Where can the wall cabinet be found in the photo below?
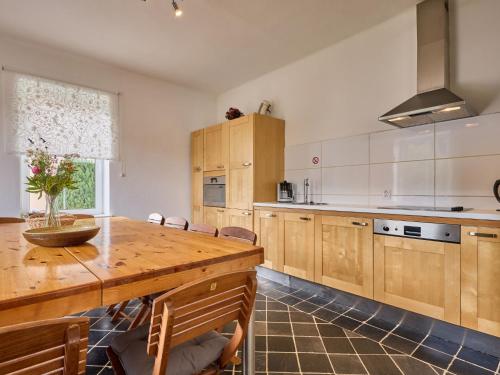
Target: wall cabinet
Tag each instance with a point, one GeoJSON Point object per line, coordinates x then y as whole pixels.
{"type": "Point", "coordinates": [418, 275]}
{"type": "Point", "coordinates": [216, 143]}
{"type": "Point", "coordinates": [344, 254]}
{"type": "Point", "coordinates": [240, 218]}
{"type": "Point", "coordinates": [268, 228]}
{"type": "Point", "coordinates": [215, 216]}
{"type": "Point", "coordinates": [197, 147]}
{"type": "Point", "coordinates": [480, 279]}
{"type": "Point", "coordinates": [297, 240]}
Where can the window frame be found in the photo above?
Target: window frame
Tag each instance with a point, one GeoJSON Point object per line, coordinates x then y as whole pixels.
{"type": "Point", "coordinates": [101, 194]}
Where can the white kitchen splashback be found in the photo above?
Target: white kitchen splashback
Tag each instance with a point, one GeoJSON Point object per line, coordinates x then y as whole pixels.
{"type": "Point", "coordinates": [446, 164]}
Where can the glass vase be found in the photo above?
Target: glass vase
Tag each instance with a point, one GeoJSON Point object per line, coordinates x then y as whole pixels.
{"type": "Point", "coordinates": [52, 218]}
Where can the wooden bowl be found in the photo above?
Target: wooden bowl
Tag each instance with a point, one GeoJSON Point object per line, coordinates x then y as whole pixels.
{"type": "Point", "coordinates": [62, 236]}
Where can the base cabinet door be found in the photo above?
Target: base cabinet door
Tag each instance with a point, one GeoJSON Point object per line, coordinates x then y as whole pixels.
{"type": "Point", "coordinates": [297, 240]}
{"type": "Point", "coordinates": [267, 227]}
{"type": "Point", "coordinates": [418, 275]}
{"type": "Point", "coordinates": [197, 215]}
{"type": "Point", "coordinates": [240, 218]}
{"type": "Point", "coordinates": [215, 216]}
{"type": "Point", "coordinates": [480, 279]}
{"type": "Point", "coordinates": [344, 254]}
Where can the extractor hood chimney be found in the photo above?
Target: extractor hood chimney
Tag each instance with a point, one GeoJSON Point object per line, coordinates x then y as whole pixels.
{"type": "Point", "coordinates": [434, 101]}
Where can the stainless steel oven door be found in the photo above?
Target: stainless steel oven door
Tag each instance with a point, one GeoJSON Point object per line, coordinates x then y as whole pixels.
{"type": "Point", "coordinates": [214, 191]}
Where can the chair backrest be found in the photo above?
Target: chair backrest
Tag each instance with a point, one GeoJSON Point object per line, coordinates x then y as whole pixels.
{"type": "Point", "coordinates": [57, 346]}
{"type": "Point", "coordinates": [204, 228]}
{"type": "Point", "coordinates": [9, 220]}
{"type": "Point", "coordinates": [200, 307]}
{"type": "Point", "coordinates": [176, 222]}
{"type": "Point", "coordinates": [156, 218]}
{"type": "Point", "coordinates": [238, 233]}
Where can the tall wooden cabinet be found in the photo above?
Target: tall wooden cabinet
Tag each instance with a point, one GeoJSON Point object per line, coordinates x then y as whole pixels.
{"type": "Point", "coordinates": [249, 152]}
{"type": "Point", "coordinates": [197, 149]}
{"type": "Point", "coordinates": [344, 254]}
{"type": "Point", "coordinates": [480, 279]}
{"type": "Point", "coordinates": [418, 275]}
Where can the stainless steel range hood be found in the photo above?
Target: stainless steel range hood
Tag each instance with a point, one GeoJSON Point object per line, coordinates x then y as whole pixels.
{"type": "Point", "coordinates": [434, 101]}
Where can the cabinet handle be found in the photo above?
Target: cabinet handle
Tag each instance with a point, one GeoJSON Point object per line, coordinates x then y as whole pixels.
{"type": "Point", "coordinates": [220, 211]}
{"type": "Point", "coordinates": [484, 235]}
{"type": "Point", "coordinates": [247, 213]}
{"type": "Point", "coordinates": [269, 215]}
{"type": "Point", "coordinates": [220, 166]}
{"type": "Point", "coordinates": [197, 169]}
{"type": "Point", "coordinates": [360, 224]}
{"type": "Point", "coordinates": [246, 164]}
{"type": "Point", "coordinates": [305, 218]}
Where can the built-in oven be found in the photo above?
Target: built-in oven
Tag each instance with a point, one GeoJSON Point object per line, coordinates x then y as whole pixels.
{"type": "Point", "coordinates": [214, 191]}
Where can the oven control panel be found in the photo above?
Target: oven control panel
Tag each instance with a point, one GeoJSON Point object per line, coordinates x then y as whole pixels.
{"type": "Point", "coordinates": [419, 230]}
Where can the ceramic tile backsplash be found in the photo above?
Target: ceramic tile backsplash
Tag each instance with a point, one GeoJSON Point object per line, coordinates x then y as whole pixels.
{"type": "Point", "coordinates": [405, 178]}
{"type": "Point", "coordinates": [416, 143]}
{"type": "Point", "coordinates": [345, 151]}
{"type": "Point", "coordinates": [302, 156]}
{"type": "Point", "coordinates": [445, 164]}
{"type": "Point", "coordinates": [468, 137]}
{"type": "Point", "coordinates": [350, 180]}
{"type": "Point", "coordinates": [297, 177]}
{"type": "Point", "coordinates": [472, 176]}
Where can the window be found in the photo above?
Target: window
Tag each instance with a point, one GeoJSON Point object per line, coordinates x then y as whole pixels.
{"type": "Point", "coordinates": [91, 197]}
{"type": "Point", "coordinates": [71, 119]}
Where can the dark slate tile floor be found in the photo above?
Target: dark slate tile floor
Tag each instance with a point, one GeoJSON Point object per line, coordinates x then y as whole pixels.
{"type": "Point", "coordinates": [300, 333]}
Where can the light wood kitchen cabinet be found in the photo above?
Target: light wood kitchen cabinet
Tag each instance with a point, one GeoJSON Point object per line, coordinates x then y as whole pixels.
{"type": "Point", "coordinates": [215, 216]}
{"type": "Point", "coordinates": [216, 143]}
{"type": "Point", "coordinates": [480, 279]}
{"type": "Point", "coordinates": [240, 218]}
{"type": "Point", "coordinates": [269, 229]}
{"type": "Point", "coordinates": [297, 240]}
{"type": "Point", "coordinates": [197, 176]}
{"type": "Point", "coordinates": [344, 254]}
{"type": "Point", "coordinates": [418, 275]}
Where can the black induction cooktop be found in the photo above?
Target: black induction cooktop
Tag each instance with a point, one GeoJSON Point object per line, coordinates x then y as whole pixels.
{"type": "Point", "coordinates": [426, 208]}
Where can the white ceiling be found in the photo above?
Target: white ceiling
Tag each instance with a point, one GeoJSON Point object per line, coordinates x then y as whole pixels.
{"type": "Point", "coordinates": [216, 45]}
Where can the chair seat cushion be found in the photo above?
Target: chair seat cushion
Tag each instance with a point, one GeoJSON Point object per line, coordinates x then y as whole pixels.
{"type": "Point", "coordinates": [187, 358]}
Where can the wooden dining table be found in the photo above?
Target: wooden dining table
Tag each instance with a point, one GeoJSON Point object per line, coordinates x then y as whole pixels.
{"type": "Point", "coordinates": [127, 259]}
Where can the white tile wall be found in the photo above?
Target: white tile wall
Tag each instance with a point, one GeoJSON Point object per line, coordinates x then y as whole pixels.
{"type": "Point", "coordinates": [444, 164]}
{"type": "Point", "coordinates": [297, 177]}
{"type": "Point", "coordinates": [406, 178]}
{"type": "Point", "coordinates": [350, 180]}
{"type": "Point", "coordinates": [416, 143]}
{"type": "Point", "coordinates": [301, 156]}
{"type": "Point", "coordinates": [468, 137]}
{"type": "Point", "coordinates": [346, 151]}
{"type": "Point", "coordinates": [471, 176]}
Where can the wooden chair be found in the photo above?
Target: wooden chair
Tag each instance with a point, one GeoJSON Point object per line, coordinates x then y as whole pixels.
{"type": "Point", "coordinates": [204, 229]}
{"type": "Point", "coordinates": [156, 218]}
{"type": "Point", "coordinates": [10, 220]}
{"type": "Point", "coordinates": [183, 325]}
{"type": "Point", "coordinates": [176, 222]}
{"type": "Point", "coordinates": [57, 346]}
{"type": "Point", "coordinates": [240, 234]}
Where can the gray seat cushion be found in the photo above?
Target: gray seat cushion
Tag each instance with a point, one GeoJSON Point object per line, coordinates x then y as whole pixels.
{"type": "Point", "coordinates": [188, 358]}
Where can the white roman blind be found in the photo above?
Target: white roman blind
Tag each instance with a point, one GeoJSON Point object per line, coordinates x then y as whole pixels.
{"type": "Point", "coordinates": [70, 118]}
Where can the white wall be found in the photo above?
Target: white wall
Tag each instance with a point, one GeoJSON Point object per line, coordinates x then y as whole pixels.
{"type": "Point", "coordinates": [156, 118]}
{"type": "Point", "coordinates": [341, 90]}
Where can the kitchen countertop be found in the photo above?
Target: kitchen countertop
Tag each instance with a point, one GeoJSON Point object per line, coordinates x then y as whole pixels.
{"type": "Point", "coordinates": [471, 214]}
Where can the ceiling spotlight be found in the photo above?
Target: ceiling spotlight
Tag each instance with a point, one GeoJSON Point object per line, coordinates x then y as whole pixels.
{"type": "Point", "coordinates": [177, 10]}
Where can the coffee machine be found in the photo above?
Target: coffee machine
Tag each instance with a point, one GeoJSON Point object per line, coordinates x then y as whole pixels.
{"type": "Point", "coordinates": [286, 192]}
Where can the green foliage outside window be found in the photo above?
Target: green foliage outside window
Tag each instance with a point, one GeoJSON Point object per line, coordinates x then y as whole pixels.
{"type": "Point", "coordinates": [84, 196]}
